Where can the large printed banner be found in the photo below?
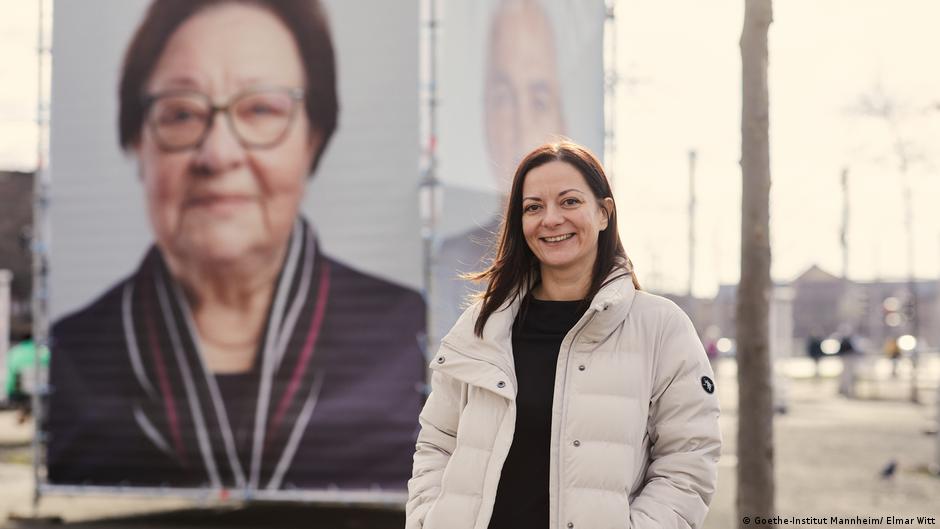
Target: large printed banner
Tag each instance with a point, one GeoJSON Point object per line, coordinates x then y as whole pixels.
{"type": "Point", "coordinates": [229, 181]}
{"type": "Point", "coordinates": [514, 74]}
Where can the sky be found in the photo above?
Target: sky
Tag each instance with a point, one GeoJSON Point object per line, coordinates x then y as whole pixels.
{"type": "Point", "coordinates": [680, 66]}
{"type": "Point", "coordinates": [18, 84]}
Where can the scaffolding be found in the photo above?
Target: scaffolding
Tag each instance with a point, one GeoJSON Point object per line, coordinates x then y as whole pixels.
{"type": "Point", "coordinates": [611, 82]}
{"type": "Point", "coordinates": [430, 191]}
{"type": "Point", "coordinates": [40, 241]}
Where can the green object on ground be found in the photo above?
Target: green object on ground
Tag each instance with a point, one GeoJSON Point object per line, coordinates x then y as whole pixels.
{"type": "Point", "coordinates": [21, 361]}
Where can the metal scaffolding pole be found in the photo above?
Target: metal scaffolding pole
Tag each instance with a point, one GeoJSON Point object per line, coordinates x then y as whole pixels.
{"type": "Point", "coordinates": [430, 191]}
{"type": "Point", "coordinates": [611, 80]}
{"type": "Point", "coordinates": [40, 253]}
{"type": "Point", "coordinates": [844, 231]}
{"type": "Point", "coordinates": [911, 304]}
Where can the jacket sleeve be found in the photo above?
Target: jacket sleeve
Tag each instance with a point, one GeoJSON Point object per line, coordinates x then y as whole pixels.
{"type": "Point", "coordinates": [436, 442]}
{"type": "Point", "coordinates": [685, 440]}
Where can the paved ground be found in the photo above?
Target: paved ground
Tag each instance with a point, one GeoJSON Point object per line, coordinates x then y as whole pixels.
{"type": "Point", "coordinates": [830, 451]}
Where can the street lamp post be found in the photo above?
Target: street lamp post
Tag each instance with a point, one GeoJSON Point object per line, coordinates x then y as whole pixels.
{"type": "Point", "coordinates": [911, 312]}
{"type": "Point", "coordinates": [692, 157]}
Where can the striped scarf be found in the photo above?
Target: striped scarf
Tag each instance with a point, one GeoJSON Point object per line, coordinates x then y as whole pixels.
{"type": "Point", "coordinates": [181, 408]}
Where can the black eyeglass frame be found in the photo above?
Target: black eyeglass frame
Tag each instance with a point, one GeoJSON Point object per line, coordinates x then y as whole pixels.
{"type": "Point", "coordinates": [296, 95]}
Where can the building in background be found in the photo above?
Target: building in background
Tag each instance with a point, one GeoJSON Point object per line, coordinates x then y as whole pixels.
{"type": "Point", "coordinates": [824, 304]}
{"type": "Point", "coordinates": [16, 220]}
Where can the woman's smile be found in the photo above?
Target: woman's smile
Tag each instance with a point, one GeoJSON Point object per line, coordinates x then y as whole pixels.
{"type": "Point", "coordinates": [556, 240]}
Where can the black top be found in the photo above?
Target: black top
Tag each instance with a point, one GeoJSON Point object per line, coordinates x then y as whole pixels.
{"type": "Point", "coordinates": [522, 496]}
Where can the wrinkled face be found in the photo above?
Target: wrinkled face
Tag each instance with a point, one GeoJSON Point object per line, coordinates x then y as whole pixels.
{"type": "Point", "coordinates": [219, 201]}
{"type": "Point", "coordinates": [561, 218]}
{"type": "Point", "coordinates": [522, 97]}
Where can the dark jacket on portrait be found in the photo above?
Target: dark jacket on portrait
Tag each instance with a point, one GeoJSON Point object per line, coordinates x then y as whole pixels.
{"type": "Point", "coordinates": [332, 400]}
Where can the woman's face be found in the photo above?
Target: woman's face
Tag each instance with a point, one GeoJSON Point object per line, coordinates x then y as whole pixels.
{"type": "Point", "coordinates": [561, 218]}
{"type": "Point", "coordinates": [219, 201]}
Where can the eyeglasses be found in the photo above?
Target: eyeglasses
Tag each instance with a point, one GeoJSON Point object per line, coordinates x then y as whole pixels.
{"type": "Point", "coordinates": [260, 118]}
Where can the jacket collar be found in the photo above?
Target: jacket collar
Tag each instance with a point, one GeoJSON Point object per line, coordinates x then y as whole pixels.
{"type": "Point", "coordinates": [607, 311]}
{"type": "Point", "coordinates": [610, 306]}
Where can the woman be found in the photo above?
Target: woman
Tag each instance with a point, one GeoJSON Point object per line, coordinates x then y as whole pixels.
{"type": "Point", "coordinates": [565, 396]}
{"type": "Point", "coordinates": [238, 354]}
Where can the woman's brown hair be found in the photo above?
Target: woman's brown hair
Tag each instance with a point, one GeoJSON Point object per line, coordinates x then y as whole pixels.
{"type": "Point", "coordinates": [515, 268]}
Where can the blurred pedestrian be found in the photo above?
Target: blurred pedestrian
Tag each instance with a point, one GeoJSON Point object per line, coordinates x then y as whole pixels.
{"type": "Point", "coordinates": [814, 351]}
{"type": "Point", "coordinates": [893, 352]}
{"type": "Point", "coordinates": [849, 353]}
{"type": "Point", "coordinates": [712, 352]}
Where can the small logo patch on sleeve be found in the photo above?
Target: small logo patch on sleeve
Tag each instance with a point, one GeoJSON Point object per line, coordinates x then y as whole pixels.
{"type": "Point", "coordinates": [708, 385]}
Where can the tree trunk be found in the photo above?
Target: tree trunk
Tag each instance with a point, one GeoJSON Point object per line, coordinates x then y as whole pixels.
{"type": "Point", "coordinates": [755, 494]}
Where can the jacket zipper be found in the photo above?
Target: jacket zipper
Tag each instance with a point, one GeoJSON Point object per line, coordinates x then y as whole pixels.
{"type": "Point", "coordinates": [564, 416]}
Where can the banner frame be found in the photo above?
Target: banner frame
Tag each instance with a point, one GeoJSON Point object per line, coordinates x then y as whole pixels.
{"type": "Point", "coordinates": [363, 497]}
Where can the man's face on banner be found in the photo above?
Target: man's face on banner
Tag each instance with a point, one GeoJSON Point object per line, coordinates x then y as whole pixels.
{"type": "Point", "coordinates": [522, 98]}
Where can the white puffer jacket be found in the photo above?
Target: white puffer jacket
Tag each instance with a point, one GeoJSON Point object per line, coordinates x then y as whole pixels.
{"type": "Point", "coordinates": [635, 438]}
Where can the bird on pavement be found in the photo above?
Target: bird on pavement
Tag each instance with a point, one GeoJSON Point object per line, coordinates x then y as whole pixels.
{"type": "Point", "coordinates": [889, 470]}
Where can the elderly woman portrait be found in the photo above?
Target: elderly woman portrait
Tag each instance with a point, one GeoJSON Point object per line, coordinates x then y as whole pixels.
{"type": "Point", "coordinates": [238, 354]}
{"type": "Point", "coordinates": [566, 396]}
